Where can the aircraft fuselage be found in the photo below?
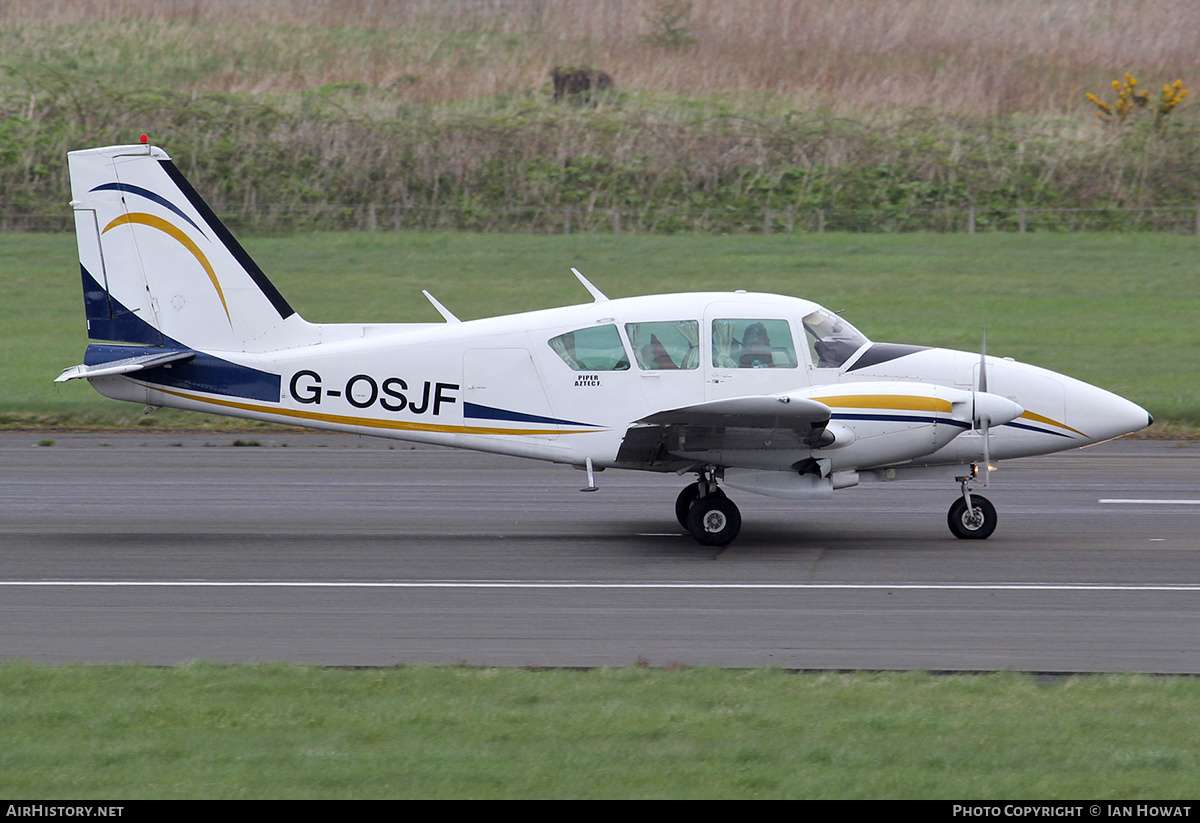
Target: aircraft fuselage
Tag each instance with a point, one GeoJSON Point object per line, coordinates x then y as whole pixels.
{"type": "Point", "coordinates": [499, 385]}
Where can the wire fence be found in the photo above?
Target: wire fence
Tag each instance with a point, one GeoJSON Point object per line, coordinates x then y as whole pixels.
{"type": "Point", "coordinates": [663, 219]}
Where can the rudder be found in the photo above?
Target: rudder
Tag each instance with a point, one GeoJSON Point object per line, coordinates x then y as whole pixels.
{"type": "Point", "coordinates": [158, 266]}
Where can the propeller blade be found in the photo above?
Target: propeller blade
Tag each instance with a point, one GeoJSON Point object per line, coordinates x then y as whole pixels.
{"type": "Point", "coordinates": [983, 364]}
{"type": "Point", "coordinates": [984, 419]}
{"type": "Point", "coordinates": [987, 453]}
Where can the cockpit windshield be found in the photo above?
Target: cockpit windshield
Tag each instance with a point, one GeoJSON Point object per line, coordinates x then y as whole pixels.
{"type": "Point", "coordinates": [831, 340]}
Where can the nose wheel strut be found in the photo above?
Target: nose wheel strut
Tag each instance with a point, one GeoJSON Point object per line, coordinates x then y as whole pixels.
{"type": "Point", "coordinates": [972, 516]}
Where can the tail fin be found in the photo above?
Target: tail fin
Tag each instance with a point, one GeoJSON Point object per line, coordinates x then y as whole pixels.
{"type": "Point", "coordinates": [159, 268]}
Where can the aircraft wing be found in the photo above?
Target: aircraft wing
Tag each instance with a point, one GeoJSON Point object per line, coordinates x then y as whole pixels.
{"type": "Point", "coordinates": [673, 438]}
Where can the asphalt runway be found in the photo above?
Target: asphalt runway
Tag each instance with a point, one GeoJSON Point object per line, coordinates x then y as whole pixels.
{"type": "Point", "coordinates": [339, 550]}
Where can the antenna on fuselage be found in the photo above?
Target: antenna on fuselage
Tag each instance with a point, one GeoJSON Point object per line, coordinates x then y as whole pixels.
{"type": "Point", "coordinates": [442, 310]}
{"type": "Point", "coordinates": [597, 295]}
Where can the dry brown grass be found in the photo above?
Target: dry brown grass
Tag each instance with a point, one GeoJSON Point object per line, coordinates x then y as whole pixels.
{"type": "Point", "coordinates": [964, 57]}
{"type": "Point", "coordinates": [442, 107]}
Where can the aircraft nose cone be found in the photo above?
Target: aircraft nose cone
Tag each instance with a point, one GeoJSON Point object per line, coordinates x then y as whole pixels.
{"type": "Point", "coordinates": [1110, 415]}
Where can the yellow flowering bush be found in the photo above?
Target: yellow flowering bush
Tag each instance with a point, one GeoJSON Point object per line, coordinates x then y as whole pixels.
{"type": "Point", "coordinates": [1172, 96]}
{"type": "Point", "coordinates": [1130, 98]}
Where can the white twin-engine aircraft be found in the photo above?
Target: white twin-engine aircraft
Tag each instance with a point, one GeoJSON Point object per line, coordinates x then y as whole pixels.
{"type": "Point", "coordinates": [756, 392]}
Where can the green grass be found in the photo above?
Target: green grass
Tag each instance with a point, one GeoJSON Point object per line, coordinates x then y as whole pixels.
{"type": "Point", "coordinates": [1117, 310]}
{"type": "Point", "coordinates": [280, 731]}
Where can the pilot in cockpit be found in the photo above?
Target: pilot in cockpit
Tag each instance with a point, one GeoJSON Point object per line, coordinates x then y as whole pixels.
{"type": "Point", "coordinates": [756, 348]}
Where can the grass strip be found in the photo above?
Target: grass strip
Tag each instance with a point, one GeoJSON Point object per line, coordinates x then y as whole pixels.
{"type": "Point", "coordinates": [282, 731]}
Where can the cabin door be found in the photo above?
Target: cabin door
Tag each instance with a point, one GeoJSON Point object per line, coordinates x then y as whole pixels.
{"type": "Point", "coordinates": [501, 388]}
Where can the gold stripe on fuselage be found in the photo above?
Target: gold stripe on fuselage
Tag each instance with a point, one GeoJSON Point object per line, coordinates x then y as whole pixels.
{"type": "Point", "coordinates": [364, 422]}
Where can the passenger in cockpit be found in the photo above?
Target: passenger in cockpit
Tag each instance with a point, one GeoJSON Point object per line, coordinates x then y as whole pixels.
{"type": "Point", "coordinates": [756, 348]}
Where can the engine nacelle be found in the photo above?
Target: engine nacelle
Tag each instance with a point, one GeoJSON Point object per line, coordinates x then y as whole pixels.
{"type": "Point", "coordinates": [894, 423]}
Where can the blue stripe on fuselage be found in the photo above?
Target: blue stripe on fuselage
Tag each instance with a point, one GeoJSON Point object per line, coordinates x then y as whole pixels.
{"type": "Point", "coordinates": [110, 321]}
{"type": "Point", "coordinates": [478, 412]}
{"type": "Point", "coordinates": [204, 372]}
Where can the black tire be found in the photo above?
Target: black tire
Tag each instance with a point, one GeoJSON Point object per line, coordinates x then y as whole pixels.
{"type": "Point", "coordinates": [964, 527]}
{"type": "Point", "coordinates": [683, 503]}
{"type": "Point", "coordinates": [687, 497]}
{"type": "Point", "coordinates": [714, 520]}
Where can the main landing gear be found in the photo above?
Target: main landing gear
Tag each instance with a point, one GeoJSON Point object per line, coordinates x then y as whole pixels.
{"type": "Point", "coordinates": [704, 510]}
{"type": "Point", "coordinates": [972, 516]}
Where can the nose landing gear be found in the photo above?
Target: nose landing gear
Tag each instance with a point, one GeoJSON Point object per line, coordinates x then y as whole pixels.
{"type": "Point", "coordinates": [972, 516]}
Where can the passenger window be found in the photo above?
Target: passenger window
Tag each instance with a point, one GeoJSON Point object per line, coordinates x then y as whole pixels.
{"type": "Point", "coordinates": [598, 348]}
{"type": "Point", "coordinates": [666, 345]}
{"type": "Point", "coordinates": [753, 344]}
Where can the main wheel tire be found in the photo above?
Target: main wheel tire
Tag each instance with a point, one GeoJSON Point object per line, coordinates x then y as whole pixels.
{"type": "Point", "coordinates": [714, 520]}
{"type": "Point", "coordinates": [968, 527]}
{"type": "Point", "coordinates": [683, 503]}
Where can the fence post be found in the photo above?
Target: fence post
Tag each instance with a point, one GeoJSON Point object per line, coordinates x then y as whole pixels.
{"type": "Point", "coordinates": [372, 220]}
{"type": "Point", "coordinates": [616, 221]}
{"type": "Point", "coordinates": [566, 221]}
{"type": "Point", "coordinates": [1021, 219]}
{"type": "Point", "coordinates": [1198, 218]}
{"type": "Point", "coordinates": [971, 220]}
{"type": "Point", "coordinates": [820, 220]}
{"type": "Point", "coordinates": [767, 218]}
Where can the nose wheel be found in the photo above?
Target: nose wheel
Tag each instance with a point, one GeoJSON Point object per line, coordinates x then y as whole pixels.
{"type": "Point", "coordinates": [976, 522]}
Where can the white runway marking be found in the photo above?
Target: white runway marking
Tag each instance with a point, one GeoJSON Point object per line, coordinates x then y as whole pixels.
{"type": "Point", "coordinates": [1134, 501]}
{"type": "Point", "coordinates": [515, 584]}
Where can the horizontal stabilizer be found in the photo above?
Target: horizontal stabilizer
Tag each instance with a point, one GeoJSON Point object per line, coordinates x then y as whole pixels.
{"type": "Point", "coordinates": [124, 366]}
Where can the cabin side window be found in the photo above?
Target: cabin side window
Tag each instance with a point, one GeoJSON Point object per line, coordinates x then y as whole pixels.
{"type": "Point", "coordinates": [753, 344]}
{"type": "Point", "coordinates": [665, 345]}
{"type": "Point", "coordinates": [598, 348]}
